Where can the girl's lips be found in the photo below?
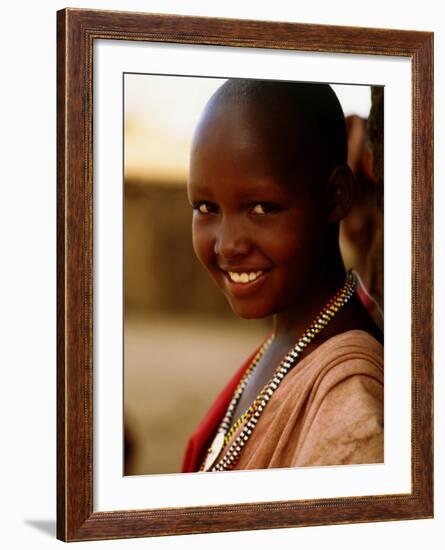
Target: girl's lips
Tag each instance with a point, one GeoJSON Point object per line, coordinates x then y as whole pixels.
{"type": "Point", "coordinates": [243, 289]}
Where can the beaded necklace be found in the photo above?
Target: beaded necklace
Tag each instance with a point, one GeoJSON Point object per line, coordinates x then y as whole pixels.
{"type": "Point", "coordinates": [253, 413]}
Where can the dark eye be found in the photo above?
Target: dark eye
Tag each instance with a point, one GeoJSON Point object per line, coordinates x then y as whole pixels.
{"type": "Point", "coordinates": [262, 208]}
{"type": "Point", "coordinates": [204, 207]}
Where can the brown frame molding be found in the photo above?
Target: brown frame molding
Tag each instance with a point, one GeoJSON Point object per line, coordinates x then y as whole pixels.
{"type": "Point", "coordinates": [76, 32]}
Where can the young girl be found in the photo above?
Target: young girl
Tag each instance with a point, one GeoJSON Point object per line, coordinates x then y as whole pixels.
{"type": "Point", "coordinates": [269, 184]}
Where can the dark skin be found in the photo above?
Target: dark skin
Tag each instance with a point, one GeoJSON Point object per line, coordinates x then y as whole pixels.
{"type": "Point", "coordinates": [258, 211]}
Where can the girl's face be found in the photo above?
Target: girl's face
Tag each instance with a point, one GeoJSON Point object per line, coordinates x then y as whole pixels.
{"type": "Point", "coordinates": [258, 227]}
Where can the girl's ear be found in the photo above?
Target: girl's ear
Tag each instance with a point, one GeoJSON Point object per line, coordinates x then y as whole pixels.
{"type": "Point", "coordinates": [340, 192]}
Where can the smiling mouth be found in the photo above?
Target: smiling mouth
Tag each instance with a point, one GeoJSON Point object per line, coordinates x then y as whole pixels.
{"type": "Point", "coordinates": [244, 283]}
{"type": "Point", "coordinates": [244, 277]}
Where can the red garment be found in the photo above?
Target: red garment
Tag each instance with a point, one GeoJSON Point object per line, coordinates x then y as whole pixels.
{"type": "Point", "coordinates": [201, 438]}
{"type": "Point", "coordinates": [365, 298]}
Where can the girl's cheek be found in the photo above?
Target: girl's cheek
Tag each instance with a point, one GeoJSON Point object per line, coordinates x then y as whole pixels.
{"type": "Point", "coordinates": [202, 246]}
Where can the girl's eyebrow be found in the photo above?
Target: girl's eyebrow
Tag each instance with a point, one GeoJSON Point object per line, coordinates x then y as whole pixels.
{"type": "Point", "coordinates": [261, 189]}
{"type": "Point", "coordinates": [264, 188]}
{"type": "Point", "coordinates": [200, 189]}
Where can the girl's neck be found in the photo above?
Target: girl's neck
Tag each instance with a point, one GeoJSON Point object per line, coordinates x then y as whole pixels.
{"type": "Point", "coordinates": [291, 323]}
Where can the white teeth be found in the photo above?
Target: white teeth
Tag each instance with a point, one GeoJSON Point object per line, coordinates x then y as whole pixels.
{"type": "Point", "coordinates": [244, 277]}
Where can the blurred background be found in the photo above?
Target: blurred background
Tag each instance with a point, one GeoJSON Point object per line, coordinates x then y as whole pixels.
{"type": "Point", "coordinates": [177, 324]}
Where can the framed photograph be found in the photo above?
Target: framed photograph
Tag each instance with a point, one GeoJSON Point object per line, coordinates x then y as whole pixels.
{"type": "Point", "coordinates": [274, 157]}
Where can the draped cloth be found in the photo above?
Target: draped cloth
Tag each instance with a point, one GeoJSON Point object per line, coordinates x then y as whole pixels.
{"type": "Point", "coordinates": [327, 410]}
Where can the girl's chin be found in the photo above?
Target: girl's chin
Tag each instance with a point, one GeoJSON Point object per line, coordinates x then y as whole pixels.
{"type": "Point", "coordinates": [249, 312]}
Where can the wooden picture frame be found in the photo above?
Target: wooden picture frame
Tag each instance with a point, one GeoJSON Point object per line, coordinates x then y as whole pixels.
{"type": "Point", "coordinates": [77, 31]}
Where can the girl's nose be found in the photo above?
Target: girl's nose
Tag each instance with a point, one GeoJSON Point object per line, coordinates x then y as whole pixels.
{"type": "Point", "coordinates": [231, 239]}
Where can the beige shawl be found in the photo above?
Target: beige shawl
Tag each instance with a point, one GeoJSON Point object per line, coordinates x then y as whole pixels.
{"type": "Point", "coordinates": [327, 410]}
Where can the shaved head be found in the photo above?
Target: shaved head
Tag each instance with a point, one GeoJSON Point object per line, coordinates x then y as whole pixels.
{"type": "Point", "coordinates": [305, 120]}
